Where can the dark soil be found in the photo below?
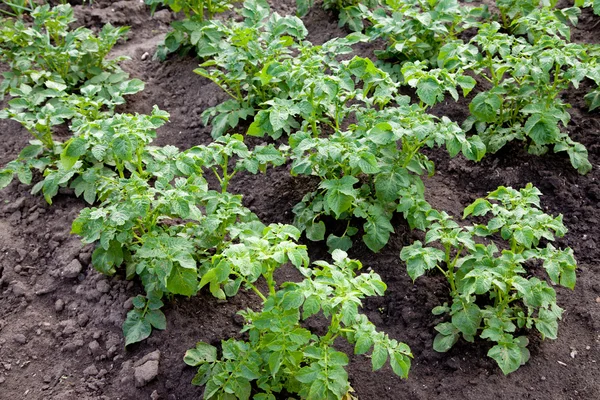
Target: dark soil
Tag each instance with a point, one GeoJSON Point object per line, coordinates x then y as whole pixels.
{"type": "Point", "coordinates": [60, 337]}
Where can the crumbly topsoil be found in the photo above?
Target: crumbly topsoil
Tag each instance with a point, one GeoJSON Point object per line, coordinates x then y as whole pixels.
{"type": "Point", "coordinates": [60, 321]}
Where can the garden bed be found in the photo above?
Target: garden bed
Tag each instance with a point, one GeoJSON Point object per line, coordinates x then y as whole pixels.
{"type": "Point", "coordinates": [60, 335]}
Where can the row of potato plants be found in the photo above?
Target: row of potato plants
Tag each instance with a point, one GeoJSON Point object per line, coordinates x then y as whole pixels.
{"type": "Point", "coordinates": [160, 234]}
{"type": "Point", "coordinates": [156, 216]}
{"type": "Point", "coordinates": [352, 128]}
{"type": "Point", "coordinates": [524, 61]}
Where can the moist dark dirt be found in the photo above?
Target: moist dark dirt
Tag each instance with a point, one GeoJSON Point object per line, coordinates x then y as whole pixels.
{"type": "Point", "coordinates": [60, 321]}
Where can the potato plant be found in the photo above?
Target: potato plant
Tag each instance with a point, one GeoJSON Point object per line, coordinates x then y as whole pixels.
{"type": "Point", "coordinates": [373, 170]}
{"type": "Point", "coordinates": [523, 102]}
{"type": "Point", "coordinates": [49, 51]}
{"type": "Point", "coordinates": [185, 34]}
{"type": "Point", "coordinates": [417, 29]}
{"type": "Point", "coordinates": [281, 355]}
{"type": "Point", "coordinates": [493, 295]}
{"type": "Point", "coordinates": [350, 12]}
{"type": "Point", "coordinates": [57, 75]}
{"type": "Point", "coordinates": [595, 4]}
{"type": "Point", "coordinates": [163, 220]}
{"type": "Point", "coordinates": [320, 102]}
{"type": "Point", "coordinates": [98, 149]}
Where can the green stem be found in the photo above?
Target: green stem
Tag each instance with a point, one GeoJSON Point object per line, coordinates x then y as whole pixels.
{"type": "Point", "coordinates": [450, 267]}
{"type": "Point", "coordinates": [209, 9]}
{"type": "Point", "coordinates": [270, 281]}
{"type": "Point", "coordinates": [555, 83]}
{"type": "Point", "coordinates": [490, 66]}
{"type": "Point", "coordinates": [334, 327]}
{"type": "Point", "coordinates": [254, 289]}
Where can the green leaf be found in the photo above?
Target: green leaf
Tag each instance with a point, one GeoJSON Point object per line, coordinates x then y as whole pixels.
{"type": "Point", "coordinates": [74, 149]}
{"type": "Point", "coordinates": [135, 328]}
{"type": "Point", "coordinates": [363, 344]}
{"type": "Point", "coordinates": [316, 232]}
{"type": "Point", "coordinates": [467, 319]}
{"type": "Point", "coordinates": [420, 259]}
{"type": "Point", "coordinates": [524, 236]}
{"type": "Point", "coordinates": [377, 230]}
{"type": "Point", "coordinates": [183, 281]}
{"type": "Point", "coordinates": [157, 319]}
{"type": "Point", "coordinates": [542, 128]}
{"type": "Point", "coordinates": [107, 260]}
{"type": "Point", "coordinates": [443, 343]}
{"type": "Point", "coordinates": [547, 324]}
{"type": "Point", "coordinates": [202, 353]}
{"type": "Point", "coordinates": [478, 208]}
{"type": "Point", "coordinates": [379, 356]}
{"type": "Point", "coordinates": [123, 148]}
{"type": "Point", "coordinates": [6, 177]}
{"type": "Point", "coordinates": [507, 355]}
{"type": "Point", "coordinates": [55, 85]}
{"type": "Point", "coordinates": [485, 106]}
{"type": "Point", "coordinates": [340, 193]}
{"type": "Point", "coordinates": [292, 300]}
{"type": "Point", "coordinates": [578, 155]}
{"type": "Point", "coordinates": [430, 91]}
{"type": "Point", "coordinates": [338, 243]}
{"type": "Point", "coordinates": [467, 83]}
{"type": "Point", "coordinates": [400, 364]}
{"type": "Point", "coordinates": [593, 98]}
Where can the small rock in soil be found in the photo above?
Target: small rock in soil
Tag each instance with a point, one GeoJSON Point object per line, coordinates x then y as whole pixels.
{"type": "Point", "coordinates": [155, 395]}
{"type": "Point", "coordinates": [154, 356]}
{"type": "Point", "coordinates": [15, 205]}
{"type": "Point", "coordinates": [72, 270]}
{"type": "Point", "coordinates": [70, 326]}
{"type": "Point", "coordinates": [128, 303]}
{"type": "Point", "coordinates": [74, 345]}
{"type": "Point", "coordinates": [20, 338]}
{"type": "Point", "coordinates": [145, 373]}
{"type": "Point", "coordinates": [94, 347]}
{"type": "Point", "coordinates": [102, 286]}
{"type": "Point", "coordinates": [163, 16]}
{"type": "Point", "coordinates": [91, 371]}
{"type": "Point", "coordinates": [83, 319]}
{"type": "Point", "coordinates": [59, 305]}
{"type": "Point", "coordinates": [20, 288]}
{"type": "Point", "coordinates": [85, 257]}
{"type": "Point", "coordinates": [2, 380]}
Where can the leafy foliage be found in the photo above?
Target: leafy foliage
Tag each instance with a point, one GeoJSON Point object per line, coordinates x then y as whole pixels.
{"type": "Point", "coordinates": [163, 221]}
{"type": "Point", "coordinates": [48, 57]}
{"type": "Point", "coordinates": [59, 75]}
{"type": "Point", "coordinates": [350, 12]}
{"type": "Point", "coordinates": [198, 9]}
{"type": "Point", "coordinates": [197, 31]}
{"type": "Point", "coordinates": [282, 355]}
{"type": "Point", "coordinates": [418, 29]}
{"type": "Point", "coordinates": [382, 155]}
{"type": "Point", "coordinates": [475, 271]}
{"type": "Point", "coordinates": [595, 4]}
{"type": "Point", "coordinates": [524, 102]}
